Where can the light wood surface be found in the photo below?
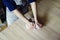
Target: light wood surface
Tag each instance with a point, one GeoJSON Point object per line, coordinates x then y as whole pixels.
{"type": "Point", "coordinates": [51, 31]}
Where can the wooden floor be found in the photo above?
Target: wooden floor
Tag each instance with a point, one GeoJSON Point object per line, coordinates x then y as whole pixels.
{"type": "Point", "coordinates": [51, 31]}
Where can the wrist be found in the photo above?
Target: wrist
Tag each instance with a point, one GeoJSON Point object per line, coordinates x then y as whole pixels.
{"type": "Point", "coordinates": [35, 19]}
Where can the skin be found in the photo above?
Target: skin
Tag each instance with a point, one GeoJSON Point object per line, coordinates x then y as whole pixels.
{"type": "Point", "coordinates": [34, 10]}
{"type": "Point", "coordinates": [30, 24]}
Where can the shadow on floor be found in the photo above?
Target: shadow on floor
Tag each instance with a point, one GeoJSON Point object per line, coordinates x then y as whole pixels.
{"type": "Point", "coordinates": [45, 11]}
{"type": "Point", "coordinates": [43, 20]}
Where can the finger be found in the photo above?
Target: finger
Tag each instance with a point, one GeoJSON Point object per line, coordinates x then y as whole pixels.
{"type": "Point", "coordinates": [32, 26]}
{"type": "Point", "coordinates": [40, 25]}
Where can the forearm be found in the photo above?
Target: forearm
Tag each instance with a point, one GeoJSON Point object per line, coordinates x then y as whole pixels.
{"type": "Point", "coordinates": [33, 6]}
{"type": "Point", "coordinates": [18, 14]}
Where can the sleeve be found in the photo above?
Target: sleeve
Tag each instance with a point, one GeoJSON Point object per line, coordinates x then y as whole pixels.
{"type": "Point", "coordinates": [30, 1]}
{"type": "Point", "coordinates": [10, 4]}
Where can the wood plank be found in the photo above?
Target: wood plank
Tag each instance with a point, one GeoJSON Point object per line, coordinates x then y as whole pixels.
{"type": "Point", "coordinates": [50, 31]}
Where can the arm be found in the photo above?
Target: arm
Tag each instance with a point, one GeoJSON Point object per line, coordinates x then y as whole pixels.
{"type": "Point", "coordinates": [34, 10]}
{"type": "Point", "coordinates": [12, 7]}
{"type": "Point", "coordinates": [18, 14]}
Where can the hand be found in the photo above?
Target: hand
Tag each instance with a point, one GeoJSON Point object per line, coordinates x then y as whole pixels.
{"type": "Point", "coordinates": [37, 24]}
{"type": "Point", "coordinates": [30, 25]}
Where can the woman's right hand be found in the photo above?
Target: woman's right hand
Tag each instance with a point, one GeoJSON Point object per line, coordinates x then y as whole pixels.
{"type": "Point", "coordinates": [30, 26]}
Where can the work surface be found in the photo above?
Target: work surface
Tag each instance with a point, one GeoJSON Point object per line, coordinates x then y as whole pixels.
{"type": "Point", "coordinates": [50, 31]}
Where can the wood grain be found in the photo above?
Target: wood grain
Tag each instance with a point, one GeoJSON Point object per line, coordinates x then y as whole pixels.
{"type": "Point", "coordinates": [48, 9]}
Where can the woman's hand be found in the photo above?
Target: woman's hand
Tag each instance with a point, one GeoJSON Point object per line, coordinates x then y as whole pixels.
{"type": "Point", "coordinates": [37, 24]}
{"type": "Point", "coordinates": [30, 26]}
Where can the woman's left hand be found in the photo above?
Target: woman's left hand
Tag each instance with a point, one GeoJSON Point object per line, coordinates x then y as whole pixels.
{"type": "Point", "coordinates": [37, 24]}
